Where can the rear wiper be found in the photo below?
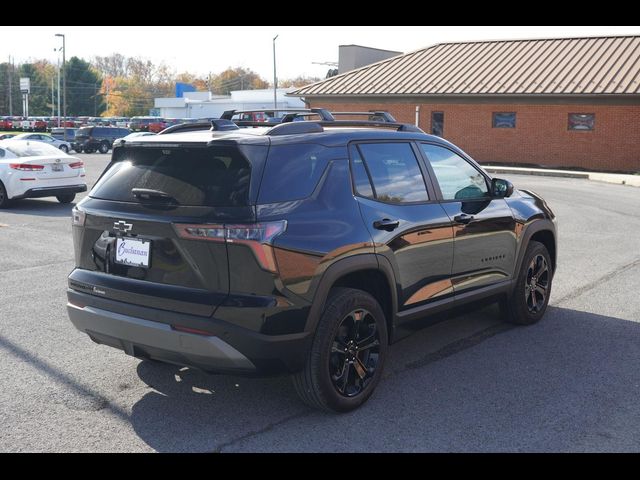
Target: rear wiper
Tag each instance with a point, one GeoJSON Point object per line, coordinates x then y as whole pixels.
{"type": "Point", "coordinates": [150, 194]}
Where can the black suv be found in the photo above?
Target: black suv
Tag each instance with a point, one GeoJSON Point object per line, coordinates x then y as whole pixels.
{"type": "Point", "coordinates": [90, 139]}
{"type": "Point", "coordinates": [305, 248]}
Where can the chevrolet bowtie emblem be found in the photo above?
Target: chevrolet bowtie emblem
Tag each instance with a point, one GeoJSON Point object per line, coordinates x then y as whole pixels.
{"type": "Point", "coordinates": [122, 226]}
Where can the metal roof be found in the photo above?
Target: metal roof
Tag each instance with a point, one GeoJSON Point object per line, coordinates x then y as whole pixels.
{"type": "Point", "coordinates": [559, 66]}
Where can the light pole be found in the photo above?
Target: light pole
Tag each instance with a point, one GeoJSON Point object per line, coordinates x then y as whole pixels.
{"type": "Point", "coordinates": [275, 78]}
{"type": "Point", "coordinates": [64, 86]}
{"type": "Point", "coordinates": [58, 50]}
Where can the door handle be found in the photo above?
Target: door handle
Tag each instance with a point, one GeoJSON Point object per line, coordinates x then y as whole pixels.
{"type": "Point", "coordinates": [463, 218]}
{"type": "Point", "coordinates": [386, 224]}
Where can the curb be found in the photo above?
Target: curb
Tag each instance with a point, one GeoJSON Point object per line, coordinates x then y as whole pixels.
{"type": "Point", "coordinates": [619, 179]}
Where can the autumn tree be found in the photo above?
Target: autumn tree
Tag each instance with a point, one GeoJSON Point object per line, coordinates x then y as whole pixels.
{"type": "Point", "coordinates": [237, 78]}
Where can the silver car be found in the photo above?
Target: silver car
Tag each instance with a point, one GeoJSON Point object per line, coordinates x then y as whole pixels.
{"type": "Point", "coordinates": [45, 138]}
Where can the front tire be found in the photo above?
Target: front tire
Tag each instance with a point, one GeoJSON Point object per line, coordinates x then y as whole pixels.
{"type": "Point", "coordinates": [66, 198]}
{"type": "Point", "coordinates": [347, 356]}
{"type": "Point", "coordinates": [528, 302]}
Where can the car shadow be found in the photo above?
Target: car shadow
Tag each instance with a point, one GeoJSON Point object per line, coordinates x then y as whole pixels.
{"type": "Point", "coordinates": [563, 384]}
{"type": "Point", "coordinates": [38, 207]}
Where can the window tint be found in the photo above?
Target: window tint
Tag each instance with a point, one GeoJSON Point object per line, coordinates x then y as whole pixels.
{"type": "Point", "coordinates": [395, 172]}
{"type": "Point", "coordinates": [84, 132]}
{"type": "Point", "coordinates": [503, 120]}
{"type": "Point", "coordinates": [292, 172]}
{"type": "Point", "coordinates": [216, 176]}
{"type": "Point", "coordinates": [359, 172]}
{"type": "Point", "coordinates": [458, 180]}
{"type": "Point", "coordinates": [437, 123]}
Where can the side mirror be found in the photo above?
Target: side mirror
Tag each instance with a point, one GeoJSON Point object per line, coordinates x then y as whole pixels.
{"type": "Point", "coordinates": [501, 188]}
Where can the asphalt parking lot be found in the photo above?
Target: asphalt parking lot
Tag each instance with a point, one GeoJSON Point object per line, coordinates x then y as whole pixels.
{"type": "Point", "coordinates": [471, 383]}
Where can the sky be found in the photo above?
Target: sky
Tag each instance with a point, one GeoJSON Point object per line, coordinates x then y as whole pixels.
{"type": "Point", "coordinates": [201, 50]}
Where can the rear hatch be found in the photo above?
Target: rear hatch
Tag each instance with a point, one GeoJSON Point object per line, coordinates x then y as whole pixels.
{"type": "Point", "coordinates": [137, 243]}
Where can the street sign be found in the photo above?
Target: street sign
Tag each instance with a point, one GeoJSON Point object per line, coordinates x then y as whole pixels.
{"type": "Point", "coordinates": [25, 85]}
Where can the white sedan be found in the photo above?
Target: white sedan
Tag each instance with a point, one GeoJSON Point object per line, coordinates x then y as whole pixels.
{"type": "Point", "coordinates": [44, 138]}
{"type": "Point", "coordinates": [35, 169]}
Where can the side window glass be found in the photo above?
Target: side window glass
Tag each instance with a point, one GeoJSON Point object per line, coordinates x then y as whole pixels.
{"type": "Point", "coordinates": [360, 176]}
{"type": "Point", "coordinates": [457, 178]}
{"type": "Point", "coordinates": [394, 171]}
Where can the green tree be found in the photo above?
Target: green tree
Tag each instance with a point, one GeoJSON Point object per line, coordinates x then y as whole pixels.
{"type": "Point", "coordinates": [40, 94]}
{"type": "Point", "coordinates": [83, 88]}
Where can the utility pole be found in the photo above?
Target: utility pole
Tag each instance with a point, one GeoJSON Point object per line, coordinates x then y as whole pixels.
{"type": "Point", "coordinates": [10, 73]}
{"type": "Point", "coordinates": [64, 85]}
{"type": "Point", "coordinates": [53, 103]}
{"type": "Point", "coordinates": [58, 90]}
{"type": "Point", "coordinates": [275, 78]}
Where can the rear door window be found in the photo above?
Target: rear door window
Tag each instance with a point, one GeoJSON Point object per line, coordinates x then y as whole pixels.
{"type": "Point", "coordinates": [214, 176]}
{"type": "Point", "coordinates": [394, 172]}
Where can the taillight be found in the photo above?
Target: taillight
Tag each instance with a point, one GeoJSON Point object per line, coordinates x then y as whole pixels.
{"type": "Point", "coordinates": [26, 167]}
{"type": "Point", "coordinates": [78, 217]}
{"type": "Point", "coordinates": [76, 165]}
{"type": "Point", "coordinates": [257, 236]}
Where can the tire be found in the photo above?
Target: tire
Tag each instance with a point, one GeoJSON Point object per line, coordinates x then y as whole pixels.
{"type": "Point", "coordinates": [64, 148]}
{"type": "Point", "coordinates": [4, 197]}
{"type": "Point", "coordinates": [66, 198]}
{"type": "Point", "coordinates": [332, 379]}
{"type": "Point", "coordinates": [78, 150]}
{"type": "Point", "coordinates": [89, 150]}
{"type": "Point", "coordinates": [103, 148]}
{"type": "Point", "coordinates": [527, 305]}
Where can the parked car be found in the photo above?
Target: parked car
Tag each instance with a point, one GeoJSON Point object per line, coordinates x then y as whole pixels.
{"type": "Point", "coordinates": [39, 125]}
{"type": "Point", "coordinates": [6, 136]}
{"type": "Point", "coordinates": [45, 138]}
{"type": "Point", "coordinates": [141, 124]}
{"type": "Point", "coordinates": [6, 123]}
{"type": "Point", "coordinates": [34, 170]}
{"type": "Point", "coordinates": [90, 139]}
{"type": "Point", "coordinates": [59, 133]}
{"type": "Point", "coordinates": [299, 248]}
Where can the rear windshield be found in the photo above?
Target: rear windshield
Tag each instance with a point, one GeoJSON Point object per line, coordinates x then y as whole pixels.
{"type": "Point", "coordinates": [213, 176]}
{"type": "Point", "coordinates": [84, 131]}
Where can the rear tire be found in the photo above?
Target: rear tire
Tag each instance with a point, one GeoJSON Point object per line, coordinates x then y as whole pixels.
{"type": "Point", "coordinates": [347, 356]}
{"type": "Point", "coordinates": [78, 150]}
{"type": "Point", "coordinates": [64, 148]}
{"type": "Point", "coordinates": [4, 197]}
{"type": "Point", "coordinates": [103, 148]}
{"type": "Point", "coordinates": [67, 198]}
{"type": "Point", "coordinates": [528, 302]}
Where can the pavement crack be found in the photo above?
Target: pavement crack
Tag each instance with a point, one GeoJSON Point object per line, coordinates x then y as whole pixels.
{"type": "Point", "coordinates": [597, 282]}
{"type": "Point", "coordinates": [265, 429]}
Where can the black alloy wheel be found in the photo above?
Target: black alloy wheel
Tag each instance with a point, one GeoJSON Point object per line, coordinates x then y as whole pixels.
{"type": "Point", "coordinates": [537, 284]}
{"type": "Point", "coordinates": [354, 353]}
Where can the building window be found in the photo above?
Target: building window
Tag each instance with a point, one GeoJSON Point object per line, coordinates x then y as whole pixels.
{"type": "Point", "coordinates": [582, 121]}
{"type": "Point", "coordinates": [437, 123]}
{"type": "Point", "coordinates": [504, 120]}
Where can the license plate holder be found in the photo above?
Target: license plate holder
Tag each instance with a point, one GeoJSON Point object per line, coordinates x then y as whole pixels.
{"type": "Point", "coordinates": [57, 167]}
{"type": "Point", "coordinates": [134, 252]}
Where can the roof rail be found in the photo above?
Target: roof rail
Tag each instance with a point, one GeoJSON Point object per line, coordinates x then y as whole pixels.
{"type": "Point", "coordinates": [293, 128]}
{"type": "Point", "coordinates": [382, 115]}
{"type": "Point", "coordinates": [401, 127]}
{"type": "Point", "coordinates": [324, 114]}
{"type": "Point", "coordinates": [214, 125]}
{"type": "Point", "coordinates": [186, 127]}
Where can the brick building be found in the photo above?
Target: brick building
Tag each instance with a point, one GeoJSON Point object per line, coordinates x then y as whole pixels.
{"type": "Point", "coordinates": [553, 102]}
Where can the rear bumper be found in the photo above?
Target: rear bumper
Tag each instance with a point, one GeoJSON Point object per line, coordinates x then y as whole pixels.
{"type": "Point", "coordinates": [144, 338]}
{"type": "Point", "coordinates": [146, 332]}
{"type": "Point", "coordinates": [51, 191]}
